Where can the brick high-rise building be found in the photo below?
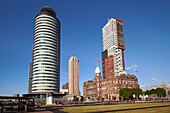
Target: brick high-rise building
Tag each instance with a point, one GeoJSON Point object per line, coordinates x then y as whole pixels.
{"type": "Point", "coordinates": [109, 66]}
{"type": "Point", "coordinates": [113, 44]}
{"type": "Point", "coordinates": [114, 77]}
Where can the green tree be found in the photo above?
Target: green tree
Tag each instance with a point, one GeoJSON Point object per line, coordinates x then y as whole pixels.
{"type": "Point", "coordinates": [124, 92]}
{"type": "Point", "coordinates": [136, 91]}
{"type": "Point", "coordinates": [147, 92]}
{"type": "Point", "coordinates": [161, 92]}
{"type": "Point", "coordinates": [128, 92]}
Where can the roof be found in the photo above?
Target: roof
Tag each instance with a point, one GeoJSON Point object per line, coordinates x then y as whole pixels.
{"type": "Point", "coordinates": [47, 8]}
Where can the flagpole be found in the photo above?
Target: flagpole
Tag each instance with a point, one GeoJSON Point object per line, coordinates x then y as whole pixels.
{"type": "Point", "coordinates": [97, 62]}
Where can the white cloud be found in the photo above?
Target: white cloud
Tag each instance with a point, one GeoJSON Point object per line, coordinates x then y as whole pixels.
{"type": "Point", "coordinates": [135, 66]}
{"type": "Point", "coordinates": [145, 87]}
{"type": "Point", "coordinates": [154, 79]}
{"type": "Point", "coordinates": [154, 86]}
{"type": "Point", "coordinates": [128, 68]}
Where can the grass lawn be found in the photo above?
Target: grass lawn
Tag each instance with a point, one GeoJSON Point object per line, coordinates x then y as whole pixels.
{"type": "Point", "coordinates": [121, 108]}
{"type": "Point", "coordinates": [149, 110]}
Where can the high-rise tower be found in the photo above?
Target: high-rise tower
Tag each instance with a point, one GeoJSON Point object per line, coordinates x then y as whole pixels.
{"type": "Point", "coordinates": [113, 48]}
{"type": "Point", "coordinates": [73, 75]}
{"type": "Point", "coordinates": [46, 52]}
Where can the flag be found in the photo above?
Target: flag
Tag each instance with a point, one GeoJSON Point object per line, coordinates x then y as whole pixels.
{"type": "Point", "coordinates": [98, 60]}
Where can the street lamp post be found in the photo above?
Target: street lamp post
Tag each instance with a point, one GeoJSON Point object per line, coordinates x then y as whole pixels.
{"type": "Point", "coordinates": [134, 96]}
{"type": "Point", "coordinates": [146, 97]}
{"type": "Point", "coordinates": [140, 96]}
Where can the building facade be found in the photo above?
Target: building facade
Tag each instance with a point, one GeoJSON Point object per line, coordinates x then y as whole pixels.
{"type": "Point", "coordinates": [30, 78]}
{"type": "Point", "coordinates": [107, 89]}
{"type": "Point", "coordinates": [73, 76]}
{"type": "Point", "coordinates": [168, 93]}
{"type": "Point", "coordinates": [109, 66]}
{"type": "Point", "coordinates": [46, 52]}
{"type": "Point", "coordinates": [65, 86]}
{"type": "Point", "coordinates": [113, 44]}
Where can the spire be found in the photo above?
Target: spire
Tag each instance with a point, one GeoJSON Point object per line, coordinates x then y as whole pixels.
{"type": "Point", "coordinates": [97, 70]}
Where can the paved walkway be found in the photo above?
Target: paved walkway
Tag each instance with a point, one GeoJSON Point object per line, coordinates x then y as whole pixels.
{"type": "Point", "coordinates": [40, 110]}
{"type": "Point", "coordinates": [48, 110]}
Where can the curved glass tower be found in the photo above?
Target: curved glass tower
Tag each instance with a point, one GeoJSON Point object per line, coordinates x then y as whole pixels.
{"type": "Point", "coordinates": [46, 52]}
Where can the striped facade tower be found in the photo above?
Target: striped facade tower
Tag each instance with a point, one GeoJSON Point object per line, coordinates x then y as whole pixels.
{"type": "Point", "coordinates": [73, 75]}
{"type": "Point", "coordinates": [113, 48]}
{"type": "Point", "coordinates": [46, 52]}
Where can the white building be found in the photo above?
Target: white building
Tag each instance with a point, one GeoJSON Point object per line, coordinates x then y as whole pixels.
{"type": "Point", "coordinates": [73, 76]}
{"type": "Point", "coordinates": [46, 52]}
{"type": "Point", "coordinates": [64, 91]}
{"type": "Point", "coordinates": [114, 44]}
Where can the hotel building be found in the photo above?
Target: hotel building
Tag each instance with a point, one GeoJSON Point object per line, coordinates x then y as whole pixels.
{"type": "Point", "coordinates": [107, 89]}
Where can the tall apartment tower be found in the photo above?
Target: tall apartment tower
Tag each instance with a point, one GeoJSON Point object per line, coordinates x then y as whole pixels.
{"type": "Point", "coordinates": [46, 52]}
{"type": "Point", "coordinates": [73, 75]}
{"type": "Point", "coordinates": [113, 48]}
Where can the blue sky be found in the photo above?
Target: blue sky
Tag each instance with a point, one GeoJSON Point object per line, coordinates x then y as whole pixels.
{"type": "Point", "coordinates": [146, 25]}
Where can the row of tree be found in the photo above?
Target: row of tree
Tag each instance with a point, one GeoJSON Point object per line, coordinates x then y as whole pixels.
{"type": "Point", "coordinates": [130, 93]}
{"type": "Point", "coordinates": [160, 92]}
